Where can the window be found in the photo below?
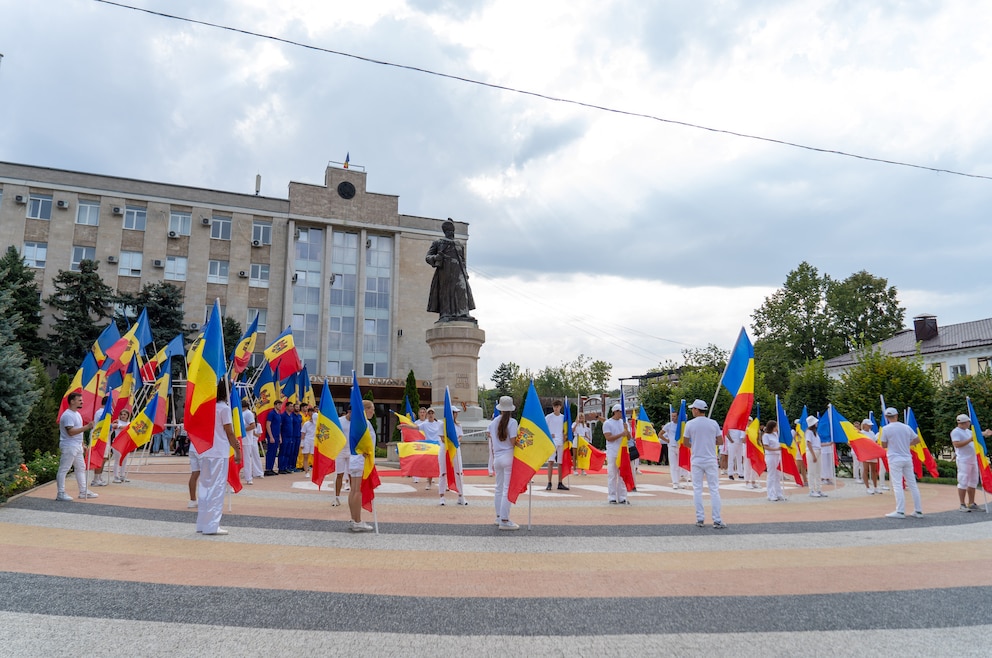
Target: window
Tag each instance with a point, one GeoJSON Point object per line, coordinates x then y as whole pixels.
{"type": "Point", "coordinates": [175, 268]}
{"type": "Point", "coordinates": [40, 206]}
{"type": "Point", "coordinates": [208, 309]}
{"type": "Point", "coordinates": [261, 232]}
{"type": "Point", "coordinates": [35, 254]}
{"type": "Point", "coordinates": [220, 228]}
{"type": "Point", "coordinates": [80, 254]}
{"type": "Point", "coordinates": [263, 314]}
{"type": "Point", "coordinates": [134, 218]}
{"type": "Point", "coordinates": [217, 271]}
{"type": "Point", "coordinates": [130, 263]}
{"type": "Point", "coordinates": [88, 213]}
{"type": "Point", "coordinates": [983, 363]}
{"type": "Point", "coordinates": [259, 276]}
{"type": "Point", "coordinates": [180, 222]}
{"type": "Point", "coordinates": [959, 371]}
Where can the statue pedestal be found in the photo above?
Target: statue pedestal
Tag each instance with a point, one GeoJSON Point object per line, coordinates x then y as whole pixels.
{"type": "Point", "coordinates": [455, 364]}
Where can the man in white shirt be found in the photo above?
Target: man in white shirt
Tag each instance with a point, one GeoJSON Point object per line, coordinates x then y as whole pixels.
{"type": "Point", "coordinates": [71, 430]}
{"type": "Point", "coordinates": [614, 431]}
{"type": "Point", "coordinates": [967, 462]}
{"type": "Point", "coordinates": [556, 425]}
{"type": "Point", "coordinates": [703, 436]}
{"type": "Point", "coordinates": [897, 439]}
{"type": "Point", "coordinates": [814, 457]}
{"type": "Point", "coordinates": [668, 433]}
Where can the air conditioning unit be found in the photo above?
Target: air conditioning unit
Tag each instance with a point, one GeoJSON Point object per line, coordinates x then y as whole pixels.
{"type": "Point", "coordinates": [295, 276]}
{"type": "Point", "coordinates": [61, 204]}
{"type": "Point", "coordinates": [111, 259]}
{"type": "Point", "coordinates": [256, 243]}
{"type": "Point", "coordinates": [243, 274]}
{"type": "Point", "coordinates": [194, 326]}
{"type": "Point", "coordinates": [205, 221]}
{"type": "Point", "coordinates": [173, 234]}
{"type": "Point", "coordinates": [21, 199]}
{"type": "Point", "coordinates": [117, 210]}
{"type": "Point", "coordinates": [158, 263]}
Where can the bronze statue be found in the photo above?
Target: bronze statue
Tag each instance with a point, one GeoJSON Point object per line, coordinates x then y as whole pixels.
{"type": "Point", "coordinates": [450, 295]}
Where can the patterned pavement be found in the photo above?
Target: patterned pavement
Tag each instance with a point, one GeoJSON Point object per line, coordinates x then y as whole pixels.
{"type": "Point", "coordinates": [127, 574]}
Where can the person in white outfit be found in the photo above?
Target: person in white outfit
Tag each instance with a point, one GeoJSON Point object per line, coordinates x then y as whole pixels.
{"type": "Point", "coordinates": [814, 458]}
{"type": "Point", "coordinates": [615, 430]}
{"type": "Point", "coordinates": [735, 454]}
{"type": "Point", "coordinates": [703, 436]}
{"type": "Point", "coordinates": [556, 425]}
{"type": "Point", "coordinates": [213, 468]}
{"type": "Point", "coordinates": [309, 436]}
{"type": "Point", "coordinates": [431, 428]}
{"type": "Point", "coordinates": [668, 433]}
{"type": "Point", "coordinates": [71, 430]}
{"type": "Point", "coordinates": [967, 462]}
{"type": "Point", "coordinates": [827, 457]}
{"type": "Point", "coordinates": [897, 439]}
{"type": "Point", "coordinates": [503, 436]}
{"type": "Point", "coordinates": [456, 464]}
{"type": "Point", "coordinates": [580, 428]}
{"type": "Point", "coordinates": [252, 467]}
{"type": "Point", "coordinates": [869, 469]}
{"type": "Point", "coordinates": [120, 466]}
{"type": "Point", "coordinates": [773, 460]}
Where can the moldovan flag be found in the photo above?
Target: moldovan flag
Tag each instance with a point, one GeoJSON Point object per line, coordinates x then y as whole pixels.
{"type": "Point", "coordinates": [788, 464]}
{"type": "Point", "coordinates": [566, 456]}
{"type": "Point", "coordinates": [685, 454]}
{"type": "Point", "coordinates": [282, 355]}
{"type": "Point", "coordinates": [532, 448]}
{"type": "Point", "coordinates": [124, 394]}
{"type": "Point", "coordinates": [449, 439]}
{"type": "Point", "coordinates": [754, 449]}
{"type": "Point", "coordinates": [162, 388]}
{"type": "Point", "coordinates": [304, 388]}
{"type": "Point", "coordinates": [246, 345]}
{"type": "Point", "coordinates": [139, 432]}
{"type": "Point", "coordinates": [238, 425]}
{"type": "Point", "coordinates": [623, 455]}
{"type": "Point", "coordinates": [360, 442]}
{"type": "Point", "coordinates": [329, 439]}
{"type": "Point", "coordinates": [206, 367]}
{"type": "Point", "coordinates": [984, 469]}
{"type": "Point", "coordinates": [842, 431]}
{"type": "Point", "coordinates": [801, 433]}
{"type": "Point", "coordinates": [587, 456]}
{"type": "Point", "coordinates": [87, 373]}
{"type": "Point", "coordinates": [266, 394]}
{"type": "Point", "coordinates": [646, 439]}
{"type": "Point", "coordinates": [130, 345]}
{"type": "Point", "coordinates": [408, 429]}
{"type": "Point", "coordinates": [921, 453]}
{"type": "Point", "coordinates": [419, 459]}
{"type": "Point", "coordinates": [107, 337]}
{"type": "Point", "coordinates": [150, 370]}
{"type": "Point", "coordinates": [99, 437]}
{"type": "Point", "coordinates": [738, 379]}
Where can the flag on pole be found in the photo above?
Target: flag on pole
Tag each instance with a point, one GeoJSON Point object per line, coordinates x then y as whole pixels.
{"type": "Point", "coordinates": [685, 454]}
{"type": "Point", "coordinates": [645, 438]}
{"type": "Point", "coordinates": [788, 464]}
{"type": "Point", "coordinates": [162, 389]}
{"type": "Point", "coordinates": [131, 344]}
{"type": "Point", "coordinates": [984, 469]}
{"type": "Point", "coordinates": [266, 394]}
{"type": "Point", "coordinates": [567, 467]}
{"type": "Point", "coordinates": [347, 159]}
{"type": "Point", "coordinates": [754, 449]}
{"type": "Point", "coordinates": [449, 439]}
{"type": "Point", "coordinates": [587, 456]}
{"type": "Point", "coordinates": [738, 379]}
{"type": "Point", "coordinates": [282, 355]}
{"type": "Point", "coordinates": [104, 341]}
{"type": "Point", "coordinates": [99, 438]}
{"type": "Point", "coordinates": [139, 432]}
{"type": "Point", "coordinates": [360, 443]}
{"type": "Point", "coordinates": [87, 372]}
{"type": "Point", "coordinates": [623, 455]}
{"type": "Point", "coordinates": [164, 356]}
{"type": "Point", "coordinates": [206, 367]}
{"type": "Point", "coordinates": [123, 395]}
{"type": "Point", "coordinates": [246, 345]}
{"type": "Point", "coordinates": [419, 459]}
{"type": "Point", "coordinates": [921, 453]}
{"type": "Point", "coordinates": [329, 439]}
{"type": "Point", "coordinates": [238, 425]}
{"type": "Point", "coordinates": [533, 446]}
{"type": "Point", "coordinates": [842, 431]}
{"type": "Point", "coordinates": [305, 388]}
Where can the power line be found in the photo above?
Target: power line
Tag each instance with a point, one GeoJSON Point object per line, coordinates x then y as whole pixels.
{"type": "Point", "coordinates": [535, 94]}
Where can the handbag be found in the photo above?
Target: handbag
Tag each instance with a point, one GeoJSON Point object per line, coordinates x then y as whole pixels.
{"type": "Point", "coordinates": [633, 453]}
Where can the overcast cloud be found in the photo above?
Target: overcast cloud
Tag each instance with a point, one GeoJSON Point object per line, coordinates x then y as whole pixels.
{"type": "Point", "coordinates": [618, 237]}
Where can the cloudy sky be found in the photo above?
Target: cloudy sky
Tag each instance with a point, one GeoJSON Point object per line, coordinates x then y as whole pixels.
{"type": "Point", "coordinates": [597, 232]}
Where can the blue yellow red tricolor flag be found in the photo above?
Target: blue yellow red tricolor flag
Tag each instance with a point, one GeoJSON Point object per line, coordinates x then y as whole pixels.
{"type": "Point", "coordinates": [533, 446]}
{"type": "Point", "coordinates": [87, 373]}
{"type": "Point", "coordinates": [246, 345]}
{"type": "Point", "coordinates": [360, 443]}
{"type": "Point", "coordinates": [449, 439]}
{"type": "Point", "coordinates": [921, 453]}
{"type": "Point", "coordinates": [238, 425]}
{"type": "Point", "coordinates": [104, 341]}
{"type": "Point", "coordinates": [266, 395]}
{"type": "Point", "coordinates": [738, 379]}
{"type": "Point", "coordinates": [685, 454]}
{"type": "Point", "coordinates": [419, 459]}
{"type": "Point", "coordinates": [645, 438]}
{"type": "Point", "coordinates": [99, 438]}
{"type": "Point", "coordinates": [282, 355]}
{"type": "Point", "coordinates": [788, 464]}
{"type": "Point", "coordinates": [205, 369]}
{"type": "Point", "coordinates": [842, 431]}
{"type": "Point", "coordinates": [754, 449]}
{"type": "Point", "coordinates": [623, 455]}
{"type": "Point", "coordinates": [139, 432]}
{"type": "Point", "coordinates": [329, 439]}
{"type": "Point", "coordinates": [567, 466]}
{"type": "Point", "coordinates": [984, 469]}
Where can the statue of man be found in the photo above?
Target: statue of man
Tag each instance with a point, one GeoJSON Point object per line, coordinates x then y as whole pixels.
{"type": "Point", "coordinates": [450, 295]}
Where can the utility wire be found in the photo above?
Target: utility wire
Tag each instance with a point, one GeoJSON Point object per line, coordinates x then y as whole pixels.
{"type": "Point", "coordinates": [535, 94]}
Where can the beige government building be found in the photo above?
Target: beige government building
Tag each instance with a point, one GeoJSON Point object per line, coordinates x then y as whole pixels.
{"type": "Point", "coordinates": [336, 262]}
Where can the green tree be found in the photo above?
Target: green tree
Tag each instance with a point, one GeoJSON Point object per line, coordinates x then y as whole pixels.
{"type": "Point", "coordinates": [552, 382]}
{"type": "Point", "coordinates": [809, 386]}
{"type": "Point", "coordinates": [504, 376]}
{"type": "Point", "coordinates": [41, 432]}
{"type": "Point", "coordinates": [656, 396]}
{"type": "Point", "coordinates": [232, 334]}
{"type": "Point", "coordinates": [773, 362]}
{"type": "Point", "coordinates": [903, 381]}
{"type": "Point", "coordinates": [864, 309]}
{"type": "Point", "coordinates": [17, 393]}
{"type": "Point", "coordinates": [164, 302]}
{"type": "Point", "coordinates": [17, 277]}
{"type": "Point", "coordinates": [599, 375]}
{"type": "Point", "coordinates": [949, 401]}
{"type": "Point", "coordinates": [81, 300]}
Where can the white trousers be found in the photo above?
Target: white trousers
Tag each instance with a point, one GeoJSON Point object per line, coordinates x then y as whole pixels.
{"type": "Point", "coordinates": [442, 480]}
{"type": "Point", "coordinates": [772, 462]}
{"type": "Point", "coordinates": [813, 471]}
{"type": "Point", "coordinates": [900, 470]}
{"type": "Point", "coordinates": [253, 460]}
{"type": "Point", "coordinates": [827, 462]}
{"type": "Point", "coordinates": [71, 457]}
{"type": "Point", "coordinates": [502, 465]}
{"type": "Point", "coordinates": [735, 459]}
{"type": "Point", "coordinates": [615, 488]}
{"type": "Point", "coordinates": [711, 471]}
{"type": "Point", "coordinates": [210, 493]}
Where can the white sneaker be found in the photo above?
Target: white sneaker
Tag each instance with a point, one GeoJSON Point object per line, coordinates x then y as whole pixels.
{"type": "Point", "coordinates": [63, 496]}
{"type": "Point", "coordinates": [336, 502]}
{"type": "Point", "coordinates": [219, 531]}
{"type": "Point", "coordinates": [441, 503]}
{"type": "Point", "coordinates": [896, 515]}
{"type": "Point", "coordinates": [870, 491]}
{"type": "Point", "coordinates": [462, 501]}
{"type": "Point", "coordinates": [508, 525]}
{"type": "Point", "coordinates": [917, 514]}
{"type": "Point", "coordinates": [88, 494]}
{"type": "Point", "coordinates": [885, 487]}
{"type": "Point", "coordinates": [359, 527]}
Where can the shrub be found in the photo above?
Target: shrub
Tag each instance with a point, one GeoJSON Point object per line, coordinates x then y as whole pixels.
{"type": "Point", "coordinates": [21, 480]}
{"type": "Point", "coordinates": [44, 466]}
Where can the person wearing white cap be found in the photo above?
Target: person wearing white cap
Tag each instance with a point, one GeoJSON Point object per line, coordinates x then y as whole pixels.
{"type": "Point", "coordinates": [668, 433]}
{"type": "Point", "coordinates": [615, 430]}
{"type": "Point", "coordinates": [967, 462]}
{"type": "Point", "coordinates": [703, 436]}
{"type": "Point", "coordinates": [503, 436]}
{"type": "Point", "coordinates": [897, 439]}
{"type": "Point", "coordinates": [869, 469]}
{"type": "Point", "coordinates": [813, 457]}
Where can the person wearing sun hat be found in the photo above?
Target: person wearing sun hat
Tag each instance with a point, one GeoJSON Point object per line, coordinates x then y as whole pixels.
{"type": "Point", "coordinates": [897, 439]}
{"type": "Point", "coordinates": [813, 457]}
{"type": "Point", "coordinates": [966, 460]}
{"type": "Point", "coordinates": [614, 431]}
{"type": "Point", "coordinates": [503, 436]}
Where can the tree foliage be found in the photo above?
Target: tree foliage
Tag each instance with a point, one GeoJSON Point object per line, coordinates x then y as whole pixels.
{"type": "Point", "coordinates": [949, 401]}
{"type": "Point", "coordinates": [232, 333]}
{"type": "Point", "coordinates": [17, 392]}
{"type": "Point", "coordinates": [809, 386]}
{"type": "Point", "coordinates": [18, 278]}
{"type": "Point", "coordinates": [41, 432]}
{"type": "Point", "coordinates": [81, 300]}
{"type": "Point", "coordinates": [864, 310]}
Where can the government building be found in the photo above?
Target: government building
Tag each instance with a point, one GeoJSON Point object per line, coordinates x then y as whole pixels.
{"type": "Point", "coordinates": [337, 263]}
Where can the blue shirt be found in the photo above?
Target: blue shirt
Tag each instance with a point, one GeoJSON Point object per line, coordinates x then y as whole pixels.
{"type": "Point", "coordinates": [274, 421]}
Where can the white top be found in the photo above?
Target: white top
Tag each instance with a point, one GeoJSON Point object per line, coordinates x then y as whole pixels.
{"type": "Point", "coordinates": [701, 434]}
{"type": "Point", "coordinates": [614, 427]}
{"type": "Point", "coordinates": [737, 436]}
{"type": "Point", "coordinates": [812, 441]}
{"type": "Point", "coordinates": [221, 448]}
{"type": "Point", "coordinates": [583, 430]}
{"type": "Point", "coordinates": [668, 432]}
{"type": "Point", "coordinates": [248, 416]}
{"type": "Point", "coordinates": [432, 430]}
{"type": "Point", "coordinates": [309, 429]}
{"type": "Point", "coordinates": [500, 447]}
{"type": "Point", "coordinates": [70, 420]}
{"type": "Point", "coordinates": [556, 425]}
{"type": "Point", "coordinates": [968, 451]}
{"type": "Point", "coordinates": [896, 437]}
{"type": "Point", "coordinates": [770, 441]}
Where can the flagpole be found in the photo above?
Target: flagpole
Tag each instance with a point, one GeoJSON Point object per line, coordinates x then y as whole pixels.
{"type": "Point", "coordinates": [375, 517]}
{"type": "Point", "coordinates": [530, 501]}
{"type": "Point", "coordinates": [722, 375]}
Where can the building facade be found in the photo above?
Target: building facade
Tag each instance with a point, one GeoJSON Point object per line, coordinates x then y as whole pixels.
{"type": "Point", "coordinates": [337, 263]}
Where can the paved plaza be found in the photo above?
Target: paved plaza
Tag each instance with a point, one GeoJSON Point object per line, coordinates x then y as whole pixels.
{"type": "Point", "coordinates": [127, 575]}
